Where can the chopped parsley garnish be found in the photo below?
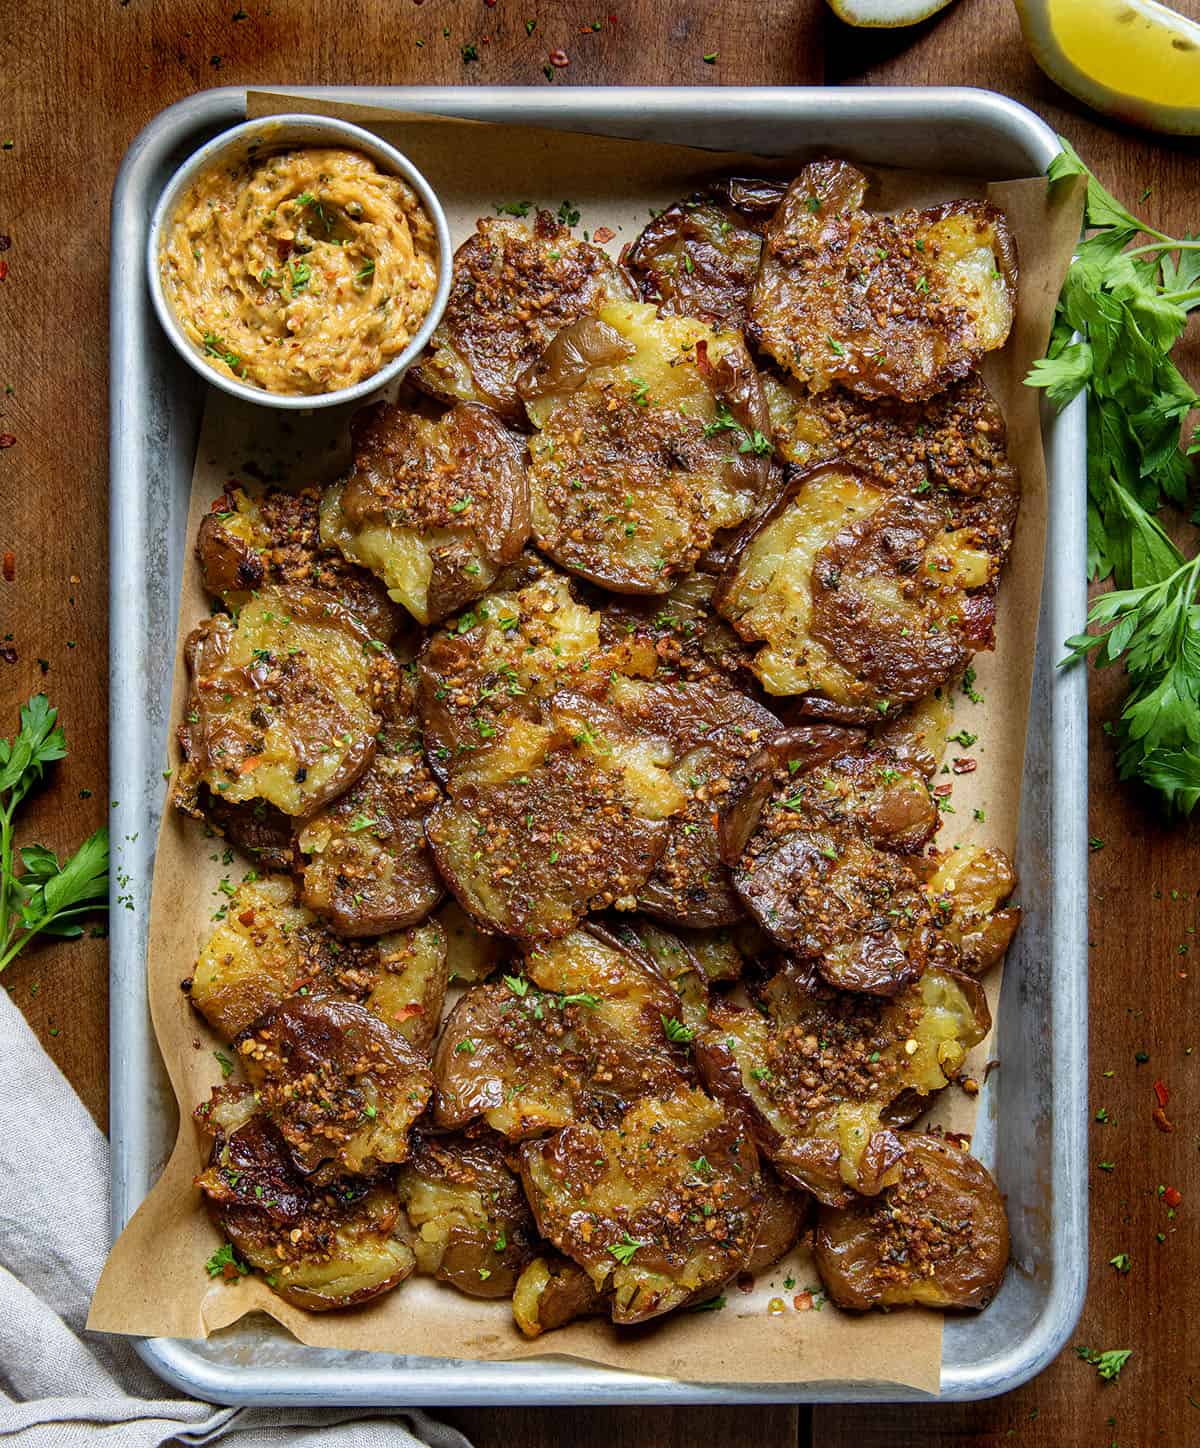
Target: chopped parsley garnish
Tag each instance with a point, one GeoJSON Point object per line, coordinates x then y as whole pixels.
{"type": "Point", "coordinates": [625, 1250]}
{"type": "Point", "coordinates": [676, 1030]}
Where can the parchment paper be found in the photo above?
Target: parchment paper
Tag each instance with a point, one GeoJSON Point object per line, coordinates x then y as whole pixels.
{"type": "Point", "coordinates": [155, 1283]}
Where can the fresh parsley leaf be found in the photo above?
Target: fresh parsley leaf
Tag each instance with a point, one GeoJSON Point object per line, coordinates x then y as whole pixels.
{"type": "Point", "coordinates": [676, 1030]}
{"type": "Point", "coordinates": [1122, 310]}
{"type": "Point", "coordinates": [625, 1250]}
{"type": "Point", "coordinates": [1107, 1363]}
{"type": "Point", "coordinates": [49, 896]}
{"type": "Point", "coordinates": [225, 1263]}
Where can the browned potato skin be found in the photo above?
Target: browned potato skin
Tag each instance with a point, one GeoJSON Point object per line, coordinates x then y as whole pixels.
{"type": "Point", "coordinates": [529, 1058]}
{"type": "Point", "coordinates": [471, 1224]}
{"type": "Point", "coordinates": [551, 1292]}
{"type": "Point", "coordinates": [938, 1238]}
{"type": "Point", "coordinates": [513, 289]}
{"type": "Point", "coordinates": [891, 658]}
{"type": "Point", "coordinates": [229, 706]}
{"type": "Point", "coordinates": [500, 836]}
{"type": "Point", "coordinates": [279, 1223]}
{"type": "Point", "coordinates": [263, 832]}
{"type": "Point", "coordinates": [785, 1215]}
{"type": "Point", "coordinates": [639, 1181]}
{"type": "Point", "coordinates": [247, 543]}
{"type": "Point", "coordinates": [605, 451]}
{"type": "Point", "coordinates": [714, 730]}
{"type": "Point", "coordinates": [340, 1085]}
{"type": "Point", "coordinates": [814, 861]}
{"type": "Point", "coordinates": [688, 636]}
{"type": "Point", "coordinates": [825, 1054]}
{"type": "Point", "coordinates": [457, 483]}
{"type": "Point", "coordinates": [366, 865]}
{"type": "Point", "coordinates": [845, 296]}
{"type": "Point", "coordinates": [699, 257]}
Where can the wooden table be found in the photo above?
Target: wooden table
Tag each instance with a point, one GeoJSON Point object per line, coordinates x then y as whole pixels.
{"type": "Point", "coordinates": [80, 80]}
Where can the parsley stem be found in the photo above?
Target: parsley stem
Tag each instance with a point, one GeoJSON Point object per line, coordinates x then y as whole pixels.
{"type": "Point", "coordinates": [6, 872]}
{"type": "Point", "coordinates": [1167, 243]}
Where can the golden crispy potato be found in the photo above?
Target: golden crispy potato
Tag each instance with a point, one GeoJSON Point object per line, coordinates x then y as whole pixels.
{"type": "Point", "coordinates": [968, 888]}
{"type": "Point", "coordinates": [367, 867]}
{"type": "Point", "coordinates": [813, 833]}
{"type": "Point", "coordinates": [318, 1247]}
{"type": "Point", "coordinates": [471, 1224]}
{"type": "Point", "coordinates": [342, 1087]}
{"type": "Point", "coordinates": [435, 509]}
{"type": "Point", "coordinates": [686, 633]}
{"type": "Point", "coordinates": [513, 289]}
{"type": "Point", "coordinates": [557, 818]}
{"type": "Point", "coordinates": [551, 1292]}
{"type": "Point", "coordinates": [268, 946]}
{"type": "Point", "coordinates": [954, 444]}
{"type": "Point", "coordinates": [827, 1075]}
{"type": "Point", "coordinates": [712, 730]}
{"type": "Point", "coordinates": [248, 542]}
{"type": "Point", "coordinates": [651, 439]}
{"type": "Point", "coordinates": [863, 596]}
{"type": "Point", "coordinates": [513, 649]}
{"type": "Point", "coordinates": [579, 1036]}
{"type": "Point", "coordinates": [283, 703]}
{"type": "Point", "coordinates": [699, 257]}
{"type": "Point", "coordinates": [938, 1237]}
{"type": "Point", "coordinates": [660, 1210]}
{"type": "Point", "coordinates": [889, 306]}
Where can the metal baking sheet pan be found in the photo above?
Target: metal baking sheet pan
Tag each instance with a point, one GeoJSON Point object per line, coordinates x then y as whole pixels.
{"type": "Point", "coordinates": [1032, 1127]}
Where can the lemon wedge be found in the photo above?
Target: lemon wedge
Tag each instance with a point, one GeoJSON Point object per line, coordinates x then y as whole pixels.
{"type": "Point", "coordinates": [1134, 59]}
{"type": "Point", "coordinates": [887, 14]}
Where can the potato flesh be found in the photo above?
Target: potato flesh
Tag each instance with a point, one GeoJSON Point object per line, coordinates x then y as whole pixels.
{"type": "Point", "coordinates": [968, 888]}
{"type": "Point", "coordinates": [251, 960]}
{"type": "Point", "coordinates": [411, 984]}
{"type": "Point", "coordinates": [631, 477]}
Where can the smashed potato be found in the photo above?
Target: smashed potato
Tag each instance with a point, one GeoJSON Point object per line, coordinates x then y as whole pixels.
{"type": "Point", "coordinates": [435, 509]}
{"type": "Point", "coordinates": [318, 1247]}
{"type": "Point", "coordinates": [579, 1036]}
{"type": "Point", "coordinates": [827, 1074]}
{"type": "Point", "coordinates": [699, 257]}
{"type": "Point", "coordinates": [367, 867]}
{"type": "Point", "coordinates": [471, 1224]}
{"type": "Point", "coordinates": [658, 1211]}
{"type": "Point", "coordinates": [342, 1087]}
{"type": "Point", "coordinates": [861, 595]}
{"type": "Point", "coordinates": [651, 438]}
{"type": "Point", "coordinates": [968, 889]}
{"type": "Point", "coordinates": [551, 1292]}
{"type": "Point", "coordinates": [938, 1236]}
{"type": "Point", "coordinates": [813, 835]}
{"type": "Point", "coordinates": [557, 818]}
{"type": "Point", "coordinates": [249, 542]}
{"type": "Point", "coordinates": [283, 703]}
{"type": "Point", "coordinates": [513, 289]}
{"type": "Point", "coordinates": [889, 306]}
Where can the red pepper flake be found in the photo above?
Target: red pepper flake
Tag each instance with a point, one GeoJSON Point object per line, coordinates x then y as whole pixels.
{"type": "Point", "coordinates": [246, 917]}
{"type": "Point", "coordinates": [612, 19]}
{"type": "Point", "coordinates": [10, 566]}
{"type": "Point", "coordinates": [803, 1301]}
{"type": "Point", "coordinates": [1161, 1093]}
{"type": "Point", "coordinates": [1171, 1197]}
{"type": "Point", "coordinates": [3, 270]}
{"type": "Point", "coordinates": [559, 59]}
{"type": "Point", "coordinates": [407, 1012]}
{"type": "Point", "coordinates": [1159, 1117]}
{"type": "Point", "coordinates": [964, 766]}
{"type": "Point", "coordinates": [943, 790]}
{"type": "Point", "coordinates": [7, 439]}
{"type": "Point", "coordinates": [703, 365]}
{"type": "Point", "coordinates": [603, 234]}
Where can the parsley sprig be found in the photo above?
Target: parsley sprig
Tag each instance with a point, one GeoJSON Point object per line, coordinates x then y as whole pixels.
{"type": "Point", "coordinates": [48, 897]}
{"type": "Point", "coordinates": [1122, 309]}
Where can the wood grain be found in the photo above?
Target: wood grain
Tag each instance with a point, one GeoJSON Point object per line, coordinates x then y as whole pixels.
{"type": "Point", "coordinates": [80, 80]}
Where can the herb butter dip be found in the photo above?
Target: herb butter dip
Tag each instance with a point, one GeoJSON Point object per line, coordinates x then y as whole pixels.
{"type": "Point", "coordinates": [302, 272]}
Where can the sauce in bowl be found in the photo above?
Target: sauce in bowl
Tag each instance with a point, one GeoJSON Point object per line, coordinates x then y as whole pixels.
{"type": "Point", "coordinates": [302, 272]}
